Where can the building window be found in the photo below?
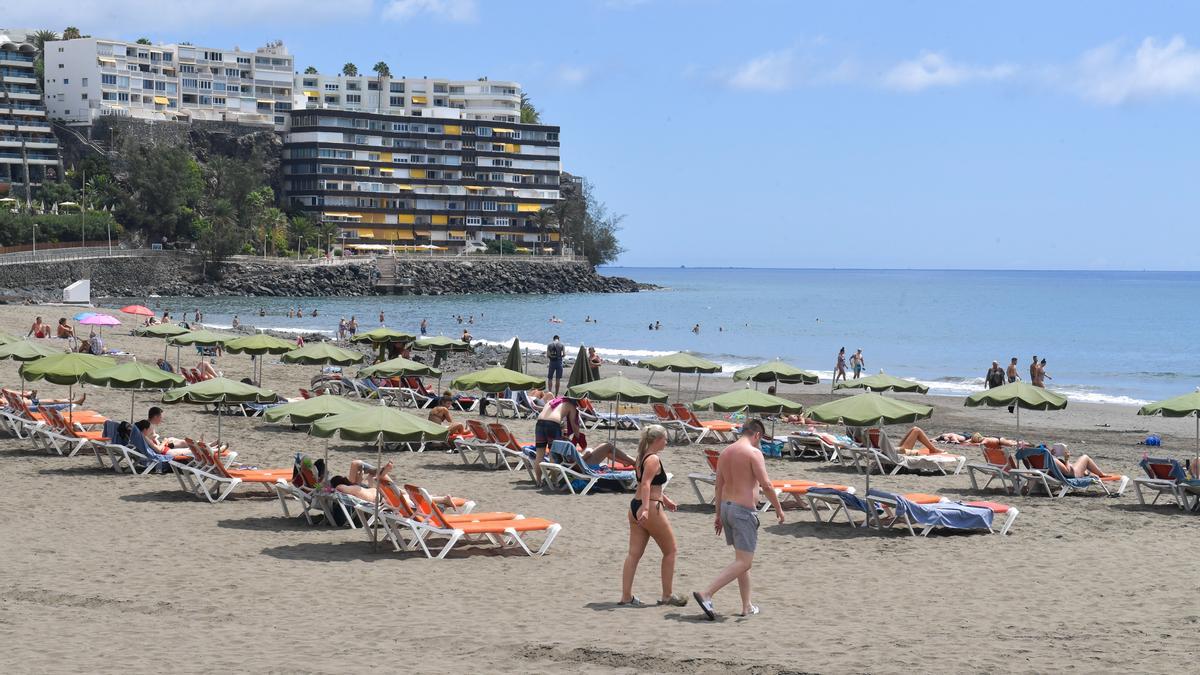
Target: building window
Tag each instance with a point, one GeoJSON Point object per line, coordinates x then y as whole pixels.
{"type": "Point", "coordinates": [108, 79]}
{"type": "Point", "coordinates": [147, 84]}
{"type": "Point", "coordinates": [60, 66]}
{"type": "Point", "coordinates": [396, 101]}
{"type": "Point", "coordinates": [353, 98]}
{"type": "Point", "coordinates": [187, 68]}
{"type": "Point", "coordinates": [83, 96]}
{"type": "Point", "coordinates": [353, 86]}
{"type": "Point", "coordinates": [84, 81]}
{"type": "Point", "coordinates": [66, 80]}
{"type": "Point", "coordinates": [396, 87]}
{"type": "Point", "coordinates": [502, 162]}
{"type": "Point", "coordinates": [489, 206]}
{"type": "Point", "coordinates": [330, 86]}
{"type": "Point", "coordinates": [474, 220]}
{"type": "Point", "coordinates": [500, 222]}
{"type": "Point", "coordinates": [218, 100]}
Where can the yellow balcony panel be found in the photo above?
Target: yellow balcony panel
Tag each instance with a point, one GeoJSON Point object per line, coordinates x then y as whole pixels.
{"type": "Point", "coordinates": [161, 100]}
{"type": "Point", "coordinates": [452, 130]}
{"type": "Point", "coordinates": [405, 187]}
{"type": "Point", "coordinates": [529, 208]}
{"type": "Point", "coordinates": [312, 94]}
{"type": "Point", "coordinates": [553, 236]}
{"type": "Point", "coordinates": [458, 234]}
{"type": "Point", "coordinates": [512, 147]}
{"type": "Point", "coordinates": [475, 187]}
{"type": "Point", "coordinates": [419, 100]}
{"type": "Point", "coordinates": [406, 219]}
{"type": "Point", "coordinates": [423, 233]}
{"type": "Point", "coordinates": [386, 169]}
{"type": "Point", "coordinates": [374, 218]}
{"type": "Point", "coordinates": [501, 130]}
{"type": "Point", "coordinates": [385, 156]}
{"type": "Point", "coordinates": [406, 235]}
{"type": "Point", "coordinates": [416, 173]}
{"type": "Point", "coordinates": [366, 234]}
{"type": "Point", "coordinates": [440, 220]}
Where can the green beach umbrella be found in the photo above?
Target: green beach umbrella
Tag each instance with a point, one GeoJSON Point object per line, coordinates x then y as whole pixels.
{"type": "Point", "coordinates": [200, 338]}
{"type": "Point", "coordinates": [322, 353]}
{"type": "Point", "coordinates": [399, 367]}
{"type": "Point", "coordinates": [679, 363]}
{"type": "Point", "coordinates": [311, 409]}
{"type": "Point", "coordinates": [1187, 405]}
{"type": "Point", "coordinates": [5, 338]}
{"type": "Point", "coordinates": [617, 389]}
{"type": "Point", "coordinates": [1019, 395]}
{"type": "Point", "coordinates": [748, 400]}
{"type": "Point", "coordinates": [218, 392]}
{"type": "Point", "coordinates": [497, 379]}
{"type": "Point", "coordinates": [514, 362]}
{"type": "Point", "coordinates": [869, 410]}
{"type": "Point", "coordinates": [581, 371]}
{"type": "Point", "coordinates": [440, 346]}
{"type": "Point", "coordinates": [65, 369]}
{"type": "Point", "coordinates": [378, 424]}
{"type": "Point", "coordinates": [259, 345]}
{"type": "Point", "coordinates": [883, 382]}
{"type": "Point", "coordinates": [382, 336]}
{"type": "Point", "coordinates": [161, 330]}
{"type": "Point", "coordinates": [778, 372]}
{"type": "Point", "coordinates": [135, 377]}
{"type": "Point", "coordinates": [25, 350]}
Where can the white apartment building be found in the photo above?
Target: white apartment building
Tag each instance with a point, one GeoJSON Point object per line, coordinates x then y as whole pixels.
{"type": "Point", "coordinates": [28, 148]}
{"type": "Point", "coordinates": [88, 78]}
{"type": "Point", "coordinates": [481, 99]}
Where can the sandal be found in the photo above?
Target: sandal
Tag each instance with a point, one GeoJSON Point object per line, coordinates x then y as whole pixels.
{"type": "Point", "coordinates": [752, 612]}
{"type": "Point", "coordinates": [633, 602]}
{"type": "Point", "coordinates": [675, 600]}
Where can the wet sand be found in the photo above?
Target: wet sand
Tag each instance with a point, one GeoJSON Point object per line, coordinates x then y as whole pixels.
{"type": "Point", "coordinates": [106, 572]}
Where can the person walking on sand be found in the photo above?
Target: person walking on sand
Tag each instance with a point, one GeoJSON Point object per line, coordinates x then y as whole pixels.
{"type": "Point", "coordinates": [555, 352]}
{"type": "Point", "coordinates": [741, 474]}
{"type": "Point", "coordinates": [1013, 374]}
{"type": "Point", "coordinates": [839, 369]}
{"type": "Point", "coordinates": [647, 518]}
{"type": "Point", "coordinates": [1041, 375]}
{"type": "Point", "coordinates": [857, 362]}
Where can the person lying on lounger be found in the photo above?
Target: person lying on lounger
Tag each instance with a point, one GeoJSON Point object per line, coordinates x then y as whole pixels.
{"type": "Point", "coordinates": [917, 436]}
{"type": "Point", "coordinates": [1079, 467]}
{"type": "Point", "coordinates": [605, 452]}
{"type": "Point", "coordinates": [160, 446]}
{"type": "Point", "coordinates": [207, 372]}
{"type": "Point", "coordinates": [357, 483]}
{"type": "Point", "coordinates": [992, 441]}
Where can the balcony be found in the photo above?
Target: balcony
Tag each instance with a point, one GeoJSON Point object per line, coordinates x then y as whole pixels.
{"type": "Point", "coordinates": [13, 57]}
{"type": "Point", "coordinates": [18, 79]}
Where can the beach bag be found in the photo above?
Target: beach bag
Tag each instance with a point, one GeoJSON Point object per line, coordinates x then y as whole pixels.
{"type": "Point", "coordinates": [773, 448]}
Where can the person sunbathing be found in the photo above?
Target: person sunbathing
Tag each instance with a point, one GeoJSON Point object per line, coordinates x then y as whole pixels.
{"type": "Point", "coordinates": [64, 330]}
{"type": "Point", "coordinates": [206, 370]}
{"type": "Point", "coordinates": [357, 483]}
{"type": "Point", "coordinates": [1080, 467]}
{"type": "Point", "coordinates": [38, 329]}
{"type": "Point", "coordinates": [953, 438]}
{"type": "Point", "coordinates": [992, 442]}
{"type": "Point", "coordinates": [162, 447]}
{"type": "Point", "coordinates": [605, 452]}
{"type": "Point", "coordinates": [31, 398]}
{"type": "Point", "coordinates": [917, 436]}
{"type": "Point", "coordinates": [441, 415]}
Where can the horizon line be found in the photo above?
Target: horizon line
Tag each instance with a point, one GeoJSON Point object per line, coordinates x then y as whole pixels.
{"type": "Point", "coordinates": [897, 269]}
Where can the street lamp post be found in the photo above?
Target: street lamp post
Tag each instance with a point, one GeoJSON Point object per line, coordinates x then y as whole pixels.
{"type": "Point", "coordinates": [83, 211]}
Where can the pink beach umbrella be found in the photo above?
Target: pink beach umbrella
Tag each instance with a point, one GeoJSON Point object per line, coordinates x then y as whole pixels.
{"type": "Point", "coordinates": [100, 320]}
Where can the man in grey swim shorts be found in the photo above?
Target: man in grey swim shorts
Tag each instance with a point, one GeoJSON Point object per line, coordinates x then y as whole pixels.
{"type": "Point", "coordinates": [741, 473]}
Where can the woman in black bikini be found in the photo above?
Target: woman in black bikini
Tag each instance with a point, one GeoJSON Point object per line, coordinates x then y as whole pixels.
{"type": "Point", "coordinates": [648, 519]}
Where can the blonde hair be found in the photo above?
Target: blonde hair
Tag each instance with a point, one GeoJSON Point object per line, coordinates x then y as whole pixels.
{"type": "Point", "coordinates": [650, 435]}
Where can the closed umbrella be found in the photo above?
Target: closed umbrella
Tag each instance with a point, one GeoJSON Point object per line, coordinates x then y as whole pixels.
{"type": "Point", "coordinates": [883, 382]}
{"type": "Point", "coordinates": [1019, 395]}
{"type": "Point", "coordinates": [581, 370]}
{"type": "Point", "coordinates": [679, 363]}
{"type": "Point", "coordinates": [65, 369]}
{"type": "Point", "coordinates": [135, 377]}
{"type": "Point", "coordinates": [312, 409]}
{"type": "Point", "coordinates": [777, 372]}
{"type": "Point", "coordinates": [219, 392]}
{"type": "Point", "coordinates": [869, 410]}
{"type": "Point", "coordinates": [1187, 405]}
{"type": "Point", "coordinates": [514, 361]}
{"type": "Point", "coordinates": [378, 424]}
{"type": "Point", "coordinates": [259, 345]}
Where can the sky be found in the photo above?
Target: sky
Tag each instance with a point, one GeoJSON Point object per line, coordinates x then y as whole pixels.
{"type": "Point", "coordinates": [776, 133]}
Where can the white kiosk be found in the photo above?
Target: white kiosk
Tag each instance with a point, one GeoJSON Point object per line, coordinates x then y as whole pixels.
{"type": "Point", "coordinates": [78, 293]}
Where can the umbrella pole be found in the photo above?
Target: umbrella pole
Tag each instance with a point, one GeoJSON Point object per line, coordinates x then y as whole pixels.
{"type": "Point", "coordinates": [218, 426]}
{"type": "Point", "coordinates": [131, 406]}
{"type": "Point", "coordinates": [678, 386]}
{"type": "Point", "coordinates": [696, 394]}
{"type": "Point", "coordinates": [1018, 438]}
{"type": "Point", "coordinates": [70, 405]}
{"type": "Point", "coordinates": [1198, 438]}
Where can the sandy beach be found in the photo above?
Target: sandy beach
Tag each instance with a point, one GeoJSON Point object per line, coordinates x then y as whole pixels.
{"type": "Point", "coordinates": [107, 573]}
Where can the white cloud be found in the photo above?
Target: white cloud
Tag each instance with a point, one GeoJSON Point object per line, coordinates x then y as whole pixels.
{"type": "Point", "coordinates": [573, 75]}
{"type": "Point", "coordinates": [1108, 75]}
{"type": "Point", "coordinates": [934, 69]}
{"type": "Point", "coordinates": [450, 10]}
{"type": "Point", "coordinates": [774, 71]}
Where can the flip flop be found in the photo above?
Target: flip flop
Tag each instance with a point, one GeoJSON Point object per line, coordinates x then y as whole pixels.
{"type": "Point", "coordinates": [633, 602]}
{"type": "Point", "coordinates": [752, 612]}
{"type": "Point", "coordinates": [705, 605]}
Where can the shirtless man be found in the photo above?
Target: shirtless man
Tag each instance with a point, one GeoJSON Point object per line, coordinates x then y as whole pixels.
{"type": "Point", "coordinates": [741, 473]}
{"type": "Point", "coordinates": [1033, 369]}
{"type": "Point", "coordinates": [1013, 375]}
{"type": "Point", "coordinates": [362, 475]}
{"type": "Point", "coordinates": [549, 428]}
{"type": "Point", "coordinates": [38, 329]}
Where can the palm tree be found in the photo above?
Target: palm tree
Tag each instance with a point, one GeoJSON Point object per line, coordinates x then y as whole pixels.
{"type": "Point", "coordinates": [545, 218]}
{"type": "Point", "coordinates": [310, 71]}
{"type": "Point", "coordinates": [71, 33]}
{"type": "Point", "coordinates": [350, 70]}
{"type": "Point", "coordinates": [529, 114]}
{"type": "Point", "coordinates": [39, 40]}
{"type": "Point", "coordinates": [382, 70]}
{"type": "Point", "coordinates": [143, 41]}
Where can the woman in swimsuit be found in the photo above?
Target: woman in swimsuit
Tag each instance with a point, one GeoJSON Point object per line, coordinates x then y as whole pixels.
{"type": "Point", "coordinates": [648, 519]}
{"type": "Point", "coordinates": [1080, 467]}
{"type": "Point", "coordinates": [839, 370]}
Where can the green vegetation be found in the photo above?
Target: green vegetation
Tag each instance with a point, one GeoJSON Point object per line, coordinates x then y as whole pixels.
{"type": "Point", "coordinates": [17, 228]}
{"type": "Point", "coordinates": [501, 246]}
{"type": "Point", "coordinates": [529, 114]}
{"type": "Point", "coordinates": [350, 70]}
{"type": "Point", "coordinates": [310, 71]}
{"type": "Point", "coordinates": [143, 41]}
{"type": "Point", "coordinates": [587, 224]}
{"type": "Point", "coordinates": [382, 69]}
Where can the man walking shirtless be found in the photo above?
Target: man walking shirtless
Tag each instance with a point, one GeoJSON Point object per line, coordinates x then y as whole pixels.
{"type": "Point", "coordinates": [741, 473]}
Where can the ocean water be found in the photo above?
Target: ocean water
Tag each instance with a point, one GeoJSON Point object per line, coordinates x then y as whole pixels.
{"type": "Point", "coordinates": [1124, 337]}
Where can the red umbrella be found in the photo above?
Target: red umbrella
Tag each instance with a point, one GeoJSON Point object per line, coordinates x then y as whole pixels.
{"type": "Point", "coordinates": [138, 309]}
